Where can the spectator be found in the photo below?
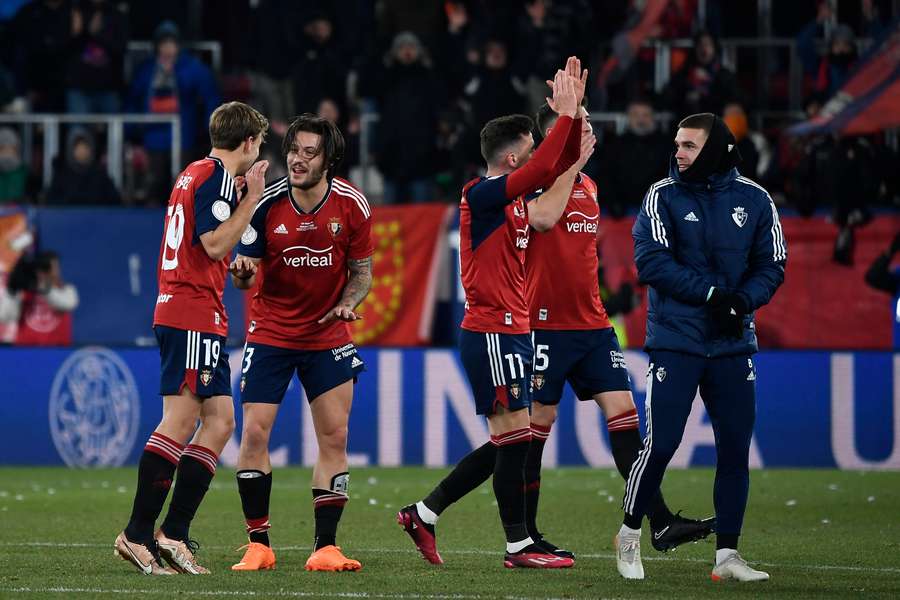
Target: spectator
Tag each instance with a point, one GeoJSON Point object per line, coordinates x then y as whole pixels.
{"type": "Point", "coordinates": [13, 174]}
{"type": "Point", "coordinates": [633, 161]}
{"type": "Point", "coordinates": [80, 179]}
{"type": "Point", "coordinates": [753, 145]}
{"type": "Point", "coordinates": [703, 84]}
{"type": "Point", "coordinates": [320, 72]}
{"type": "Point", "coordinates": [409, 100]}
{"type": "Point", "coordinates": [272, 49]}
{"type": "Point", "coordinates": [41, 300]}
{"type": "Point", "coordinates": [171, 82]}
{"type": "Point", "coordinates": [41, 32]}
{"type": "Point", "coordinates": [494, 90]}
{"type": "Point", "coordinates": [829, 72]}
{"type": "Point", "coordinates": [99, 38]}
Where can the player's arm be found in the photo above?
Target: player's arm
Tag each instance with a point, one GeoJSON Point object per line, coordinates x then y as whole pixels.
{"type": "Point", "coordinates": [765, 271]}
{"type": "Point", "coordinates": [357, 288]}
{"type": "Point", "coordinates": [655, 260]}
{"type": "Point", "coordinates": [219, 240]}
{"type": "Point", "coordinates": [545, 210]}
{"type": "Point", "coordinates": [243, 271]}
{"type": "Point", "coordinates": [549, 160]}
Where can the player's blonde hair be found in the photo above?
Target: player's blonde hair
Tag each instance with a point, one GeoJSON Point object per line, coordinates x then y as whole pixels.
{"type": "Point", "coordinates": [233, 122]}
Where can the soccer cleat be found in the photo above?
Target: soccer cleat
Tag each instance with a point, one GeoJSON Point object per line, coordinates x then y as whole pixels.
{"type": "Point", "coordinates": [258, 557]}
{"type": "Point", "coordinates": [551, 548]}
{"type": "Point", "coordinates": [422, 533]}
{"type": "Point", "coordinates": [681, 531]}
{"type": "Point", "coordinates": [735, 567]}
{"type": "Point", "coordinates": [179, 555]}
{"type": "Point", "coordinates": [628, 556]}
{"type": "Point", "coordinates": [145, 558]}
{"type": "Point", "coordinates": [330, 558]}
{"type": "Point", "coordinates": [535, 557]}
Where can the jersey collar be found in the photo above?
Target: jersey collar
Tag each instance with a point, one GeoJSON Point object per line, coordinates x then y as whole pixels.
{"type": "Point", "coordinates": [316, 208]}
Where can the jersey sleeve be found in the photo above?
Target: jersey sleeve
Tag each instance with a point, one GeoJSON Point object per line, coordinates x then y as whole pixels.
{"type": "Point", "coordinates": [488, 195]}
{"type": "Point", "coordinates": [253, 240]}
{"type": "Point", "coordinates": [213, 201]}
{"type": "Point", "coordinates": [361, 244]}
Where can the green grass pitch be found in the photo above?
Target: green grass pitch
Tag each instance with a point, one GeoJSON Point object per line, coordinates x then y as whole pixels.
{"type": "Point", "coordinates": [819, 533]}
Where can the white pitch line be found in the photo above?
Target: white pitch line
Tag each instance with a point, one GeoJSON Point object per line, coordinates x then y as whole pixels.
{"type": "Point", "coordinates": [490, 553]}
{"type": "Point", "coordinates": [279, 593]}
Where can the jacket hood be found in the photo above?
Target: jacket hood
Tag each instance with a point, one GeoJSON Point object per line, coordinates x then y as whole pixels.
{"type": "Point", "coordinates": [719, 154]}
{"type": "Point", "coordinates": [715, 181]}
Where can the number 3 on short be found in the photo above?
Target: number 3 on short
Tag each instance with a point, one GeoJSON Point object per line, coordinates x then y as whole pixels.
{"type": "Point", "coordinates": [248, 357]}
{"type": "Point", "coordinates": [512, 359]}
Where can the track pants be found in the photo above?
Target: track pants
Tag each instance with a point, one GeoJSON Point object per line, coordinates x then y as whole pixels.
{"type": "Point", "coordinates": [728, 388]}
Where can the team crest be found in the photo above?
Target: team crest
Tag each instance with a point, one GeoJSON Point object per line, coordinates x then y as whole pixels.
{"type": "Point", "coordinates": [515, 390]}
{"type": "Point", "coordinates": [740, 216]}
{"type": "Point", "coordinates": [537, 380]}
{"type": "Point", "coordinates": [243, 383]}
{"type": "Point", "coordinates": [334, 226]}
{"type": "Point", "coordinates": [205, 376]}
{"type": "Point", "coordinates": [661, 374]}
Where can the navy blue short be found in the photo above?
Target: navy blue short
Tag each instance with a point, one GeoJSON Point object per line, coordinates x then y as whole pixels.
{"type": "Point", "coordinates": [266, 371]}
{"type": "Point", "coordinates": [498, 367]}
{"type": "Point", "coordinates": [194, 359]}
{"type": "Point", "coordinates": [590, 360]}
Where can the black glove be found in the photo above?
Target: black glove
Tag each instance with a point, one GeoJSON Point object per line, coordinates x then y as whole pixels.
{"type": "Point", "coordinates": [727, 310]}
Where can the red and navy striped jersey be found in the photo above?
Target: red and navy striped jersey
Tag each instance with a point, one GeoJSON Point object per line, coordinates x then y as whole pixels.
{"type": "Point", "coordinates": [303, 267]}
{"type": "Point", "coordinates": [190, 282]}
{"type": "Point", "coordinates": [561, 266]}
{"type": "Point", "coordinates": [493, 237]}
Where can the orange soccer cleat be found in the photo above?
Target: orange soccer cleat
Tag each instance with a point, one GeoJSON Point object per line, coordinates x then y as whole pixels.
{"type": "Point", "coordinates": [330, 558]}
{"type": "Point", "coordinates": [258, 557]}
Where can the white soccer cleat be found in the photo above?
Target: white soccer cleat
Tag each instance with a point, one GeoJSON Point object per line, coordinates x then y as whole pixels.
{"type": "Point", "coordinates": [628, 555]}
{"type": "Point", "coordinates": [178, 555]}
{"type": "Point", "coordinates": [735, 567]}
{"type": "Point", "coordinates": [145, 558]}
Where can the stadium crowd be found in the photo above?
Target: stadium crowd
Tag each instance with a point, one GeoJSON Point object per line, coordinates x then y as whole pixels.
{"type": "Point", "coordinates": [447, 67]}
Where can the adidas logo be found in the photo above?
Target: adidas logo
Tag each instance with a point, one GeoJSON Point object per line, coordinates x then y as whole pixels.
{"type": "Point", "coordinates": [691, 217]}
{"type": "Point", "coordinates": [751, 376]}
{"type": "Point", "coordinates": [355, 362]}
{"type": "Point", "coordinates": [281, 229]}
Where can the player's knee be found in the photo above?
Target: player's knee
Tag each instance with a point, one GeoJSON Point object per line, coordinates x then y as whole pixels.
{"type": "Point", "coordinates": [178, 427]}
{"type": "Point", "coordinates": [662, 451]}
{"type": "Point", "coordinates": [333, 441]}
{"type": "Point", "coordinates": [543, 414]}
{"type": "Point", "coordinates": [219, 427]}
{"type": "Point", "coordinates": [254, 437]}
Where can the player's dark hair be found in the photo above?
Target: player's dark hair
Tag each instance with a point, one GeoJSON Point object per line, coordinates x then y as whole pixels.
{"type": "Point", "coordinates": [545, 117]}
{"type": "Point", "coordinates": [233, 122]}
{"type": "Point", "coordinates": [702, 121]}
{"type": "Point", "coordinates": [498, 134]}
{"type": "Point", "coordinates": [331, 142]}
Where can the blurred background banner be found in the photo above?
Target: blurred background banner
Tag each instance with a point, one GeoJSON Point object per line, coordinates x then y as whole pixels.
{"type": "Point", "coordinates": [111, 256]}
{"type": "Point", "coordinates": [410, 242]}
{"type": "Point", "coordinates": [95, 406]}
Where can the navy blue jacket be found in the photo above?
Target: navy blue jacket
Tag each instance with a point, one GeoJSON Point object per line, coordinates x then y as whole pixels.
{"type": "Point", "coordinates": [690, 237]}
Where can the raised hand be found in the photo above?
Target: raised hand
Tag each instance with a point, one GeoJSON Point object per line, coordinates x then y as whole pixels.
{"type": "Point", "coordinates": [574, 70]}
{"type": "Point", "coordinates": [256, 180]}
{"type": "Point", "coordinates": [563, 101]}
{"type": "Point", "coordinates": [588, 142]}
